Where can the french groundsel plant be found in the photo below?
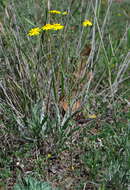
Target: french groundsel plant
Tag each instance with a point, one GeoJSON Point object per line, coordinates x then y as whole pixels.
{"type": "Point", "coordinates": [59, 107]}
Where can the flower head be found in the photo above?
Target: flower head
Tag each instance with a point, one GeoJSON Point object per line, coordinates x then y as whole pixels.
{"type": "Point", "coordinates": [34, 31]}
{"type": "Point", "coordinates": [55, 12]}
{"type": "Point", "coordinates": [87, 23]}
{"type": "Point", "coordinates": [58, 12]}
{"type": "Point", "coordinates": [55, 26]}
{"type": "Point", "coordinates": [47, 27]}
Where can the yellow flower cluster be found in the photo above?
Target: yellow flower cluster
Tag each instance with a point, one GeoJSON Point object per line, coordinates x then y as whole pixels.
{"type": "Point", "coordinates": [87, 23]}
{"type": "Point", "coordinates": [58, 12]}
{"type": "Point", "coordinates": [52, 27]}
{"type": "Point", "coordinates": [36, 31]}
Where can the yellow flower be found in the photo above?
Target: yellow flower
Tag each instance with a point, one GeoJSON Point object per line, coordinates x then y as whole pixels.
{"type": "Point", "coordinates": [34, 31]}
{"type": "Point", "coordinates": [87, 23]}
{"type": "Point", "coordinates": [52, 27]}
{"type": "Point", "coordinates": [55, 12]}
{"type": "Point", "coordinates": [58, 12]}
{"type": "Point", "coordinates": [57, 26]}
{"type": "Point", "coordinates": [47, 27]}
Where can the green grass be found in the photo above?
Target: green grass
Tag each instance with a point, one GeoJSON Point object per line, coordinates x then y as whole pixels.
{"type": "Point", "coordinates": [49, 91]}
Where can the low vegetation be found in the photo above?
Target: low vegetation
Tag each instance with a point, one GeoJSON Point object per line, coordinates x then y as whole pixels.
{"type": "Point", "coordinates": [65, 95]}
